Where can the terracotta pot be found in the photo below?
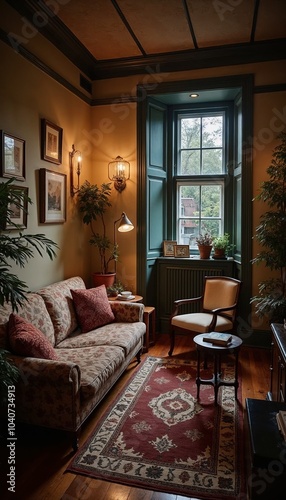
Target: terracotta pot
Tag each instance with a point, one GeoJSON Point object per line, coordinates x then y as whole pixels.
{"type": "Point", "coordinates": [103, 279]}
{"type": "Point", "coordinates": [219, 253]}
{"type": "Point", "coordinates": [205, 251]}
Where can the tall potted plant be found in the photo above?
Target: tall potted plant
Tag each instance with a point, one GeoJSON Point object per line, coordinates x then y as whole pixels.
{"type": "Point", "coordinates": [18, 249]}
{"type": "Point", "coordinates": [93, 202]}
{"type": "Point", "coordinates": [271, 235]}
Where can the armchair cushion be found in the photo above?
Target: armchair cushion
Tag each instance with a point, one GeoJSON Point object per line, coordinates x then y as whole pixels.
{"type": "Point", "coordinates": [200, 322]}
{"type": "Point", "coordinates": [92, 308]}
{"type": "Point", "coordinates": [26, 340]}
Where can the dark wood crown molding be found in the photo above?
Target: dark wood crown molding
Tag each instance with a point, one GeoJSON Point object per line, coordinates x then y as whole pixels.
{"type": "Point", "coordinates": [58, 34]}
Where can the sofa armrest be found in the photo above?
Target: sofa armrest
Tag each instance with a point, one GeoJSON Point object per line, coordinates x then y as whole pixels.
{"type": "Point", "coordinates": [48, 393]}
{"type": "Point", "coordinates": [37, 370]}
{"type": "Point", "coordinates": [127, 312]}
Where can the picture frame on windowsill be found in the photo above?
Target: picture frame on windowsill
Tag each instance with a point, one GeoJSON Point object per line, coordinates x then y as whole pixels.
{"type": "Point", "coordinates": [168, 248]}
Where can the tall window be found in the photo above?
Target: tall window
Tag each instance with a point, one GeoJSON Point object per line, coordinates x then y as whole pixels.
{"type": "Point", "coordinates": [201, 175]}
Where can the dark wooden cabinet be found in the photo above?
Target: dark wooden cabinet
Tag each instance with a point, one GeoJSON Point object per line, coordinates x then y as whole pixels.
{"type": "Point", "coordinates": [278, 363]}
{"type": "Point", "coordinates": [265, 451]}
{"type": "Point", "coordinates": [182, 278]}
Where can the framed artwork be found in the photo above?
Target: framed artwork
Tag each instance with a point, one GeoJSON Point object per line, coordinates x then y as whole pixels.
{"type": "Point", "coordinates": [168, 248]}
{"type": "Point", "coordinates": [12, 156]}
{"type": "Point", "coordinates": [51, 142]}
{"type": "Point", "coordinates": [182, 251]}
{"type": "Point", "coordinates": [52, 197]}
{"type": "Point", "coordinates": [18, 215]}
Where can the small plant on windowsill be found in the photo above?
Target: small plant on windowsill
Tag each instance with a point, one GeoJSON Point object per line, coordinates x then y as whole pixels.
{"type": "Point", "coordinates": [204, 242]}
{"type": "Point", "coordinates": [222, 246]}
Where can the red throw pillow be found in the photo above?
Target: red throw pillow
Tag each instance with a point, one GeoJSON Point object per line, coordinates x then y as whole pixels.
{"type": "Point", "coordinates": [26, 340]}
{"type": "Point", "coordinates": [92, 308]}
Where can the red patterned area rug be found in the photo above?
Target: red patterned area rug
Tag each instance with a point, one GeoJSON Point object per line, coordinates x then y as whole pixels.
{"type": "Point", "coordinates": [158, 436]}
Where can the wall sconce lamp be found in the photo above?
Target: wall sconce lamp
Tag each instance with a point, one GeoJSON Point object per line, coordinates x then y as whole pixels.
{"type": "Point", "coordinates": [74, 152]}
{"type": "Point", "coordinates": [119, 172]}
{"type": "Point", "coordinates": [125, 225]}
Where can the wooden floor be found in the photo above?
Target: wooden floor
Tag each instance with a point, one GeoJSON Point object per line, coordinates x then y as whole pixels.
{"type": "Point", "coordinates": [42, 456]}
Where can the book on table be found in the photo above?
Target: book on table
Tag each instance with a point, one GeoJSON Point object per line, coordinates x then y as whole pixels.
{"type": "Point", "coordinates": [218, 338]}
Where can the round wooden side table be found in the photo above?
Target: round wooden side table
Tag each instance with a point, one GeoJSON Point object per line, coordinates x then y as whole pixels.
{"type": "Point", "coordinates": [216, 351]}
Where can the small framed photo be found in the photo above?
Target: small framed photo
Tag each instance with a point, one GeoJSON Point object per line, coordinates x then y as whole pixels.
{"type": "Point", "coordinates": [182, 251]}
{"type": "Point", "coordinates": [12, 156]}
{"type": "Point", "coordinates": [51, 142]}
{"type": "Point", "coordinates": [168, 248]}
{"type": "Point", "coordinates": [52, 197]}
{"type": "Point", "coordinates": [18, 215]}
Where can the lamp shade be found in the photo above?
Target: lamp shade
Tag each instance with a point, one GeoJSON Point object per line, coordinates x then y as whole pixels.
{"type": "Point", "coordinates": [125, 224]}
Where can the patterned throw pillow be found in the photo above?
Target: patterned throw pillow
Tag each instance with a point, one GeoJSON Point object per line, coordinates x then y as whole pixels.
{"type": "Point", "coordinates": [26, 340]}
{"type": "Point", "coordinates": [92, 308]}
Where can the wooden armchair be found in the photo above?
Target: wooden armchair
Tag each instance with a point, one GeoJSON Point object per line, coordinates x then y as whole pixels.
{"type": "Point", "coordinates": [218, 305]}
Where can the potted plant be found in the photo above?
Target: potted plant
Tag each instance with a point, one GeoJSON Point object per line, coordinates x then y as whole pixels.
{"type": "Point", "coordinates": [115, 289]}
{"type": "Point", "coordinates": [271, 235]}
{"type": "Point", "coordinates": [204, 242]}
{"type": "Point", "coordinates": [93, 202]}
{"type": "Point", "coordinates": [18, 249]}
{"type": "Point", "coordinates": [221, 246]}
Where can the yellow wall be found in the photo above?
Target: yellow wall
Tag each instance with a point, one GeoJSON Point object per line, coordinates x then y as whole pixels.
{"type": "Point", "coordinates": [26, 96]}
{"type": "Point", "coordinates": [102, 132]}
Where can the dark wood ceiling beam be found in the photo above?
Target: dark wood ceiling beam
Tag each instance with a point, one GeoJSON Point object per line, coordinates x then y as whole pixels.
{"type": "Point", "coordinates": [254, 21]}
{"type": "Point", "coordinates": [127, 25]}
{"type": "Point", "coordinates": [190, 24]}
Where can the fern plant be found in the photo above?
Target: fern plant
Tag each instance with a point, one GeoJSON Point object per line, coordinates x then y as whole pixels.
{"type": "Point", "coordinates": [271, 235]}
{"type": "Point", "coordinates": [19, 248]}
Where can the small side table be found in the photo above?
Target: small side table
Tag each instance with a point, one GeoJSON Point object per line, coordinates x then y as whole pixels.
{"type": "Point", "coordinates": [137, 298]}
{"type": "Point", "coordinates": [150, 322]}
{"type": "Point", "coordinates": [216, 351]}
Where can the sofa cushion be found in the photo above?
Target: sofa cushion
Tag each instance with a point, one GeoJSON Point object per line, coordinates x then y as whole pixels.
{"type": "Point", "coordinates": [26, 340]}
{"type": "Point", "coordinates": [97, 366]}
{"type": "Point", "coordinates": [124, 335]}
{"type": "Point", "coordinates": [92, 308]}
{"type": "Point", "coordinates": [60, 306]}
{"type": "Point", "coordinates": [34, 311]}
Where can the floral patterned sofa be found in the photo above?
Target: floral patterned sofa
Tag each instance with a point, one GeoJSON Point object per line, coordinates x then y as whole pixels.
{"type": "Point", "coordinates": [77, 365]}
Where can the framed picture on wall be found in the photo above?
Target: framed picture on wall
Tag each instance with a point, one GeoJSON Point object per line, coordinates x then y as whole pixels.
{"type": "Point", "coordinates": [51, 142]}
{"type": "Point", "coordinates": [168, 248]}
{"type": "Point", "coordinates": [18, 215]}
{"type": "Point", "coordinates": [52, 197]}
{"type": "Point", "coordinates": [182, 251]}
{"type": "Point", "coordinates": [12, 156]}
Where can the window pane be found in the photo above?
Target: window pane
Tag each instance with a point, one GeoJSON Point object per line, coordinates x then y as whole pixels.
{"type": "Point", "coordinates": [212, 161]}
{"type": "Point", "coordinates": [200, 211]}
{"type": "Point", "coordinates": [212, 131]}
{"type": "Point", "coordinates": [211, 201]}
{"type": "Point", "coordinates": [189, 200]}
{"type": "Point", "coordinates": [190, 133]}
{"type": "Point", "coordinates": [190, 162]}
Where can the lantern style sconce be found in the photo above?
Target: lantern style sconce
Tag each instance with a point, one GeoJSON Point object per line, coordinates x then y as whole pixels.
{"type": "Point", "coordinates": [74, 153]}
{"type": "Point", "coordinates": [119, 172]}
